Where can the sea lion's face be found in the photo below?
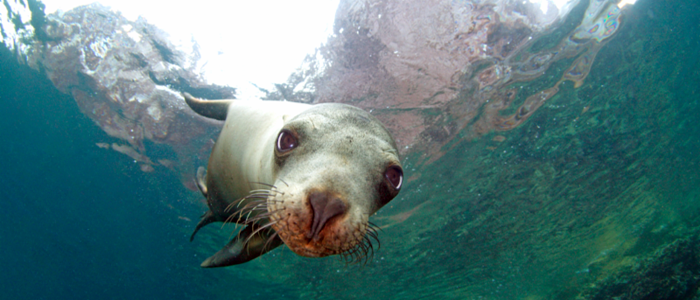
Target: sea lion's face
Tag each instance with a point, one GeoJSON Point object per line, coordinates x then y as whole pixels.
{"type": "Point", "coordinates": [336, 165]}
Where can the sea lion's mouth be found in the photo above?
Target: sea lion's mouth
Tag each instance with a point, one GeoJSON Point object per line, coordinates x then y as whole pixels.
{"type": "Point", "coordinates": [306, 236]}
{"type": "Point", "coordinates": [322, 228]}
{"type": "Point", "coordinates": [336, 241]}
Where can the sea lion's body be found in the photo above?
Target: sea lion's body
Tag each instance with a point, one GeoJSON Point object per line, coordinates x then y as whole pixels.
{"type": "Point", "coordinates": [305, 175]}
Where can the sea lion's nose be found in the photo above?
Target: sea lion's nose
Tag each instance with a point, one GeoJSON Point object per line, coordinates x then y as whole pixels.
{"type": "Point", "coordinates": [325, 207]}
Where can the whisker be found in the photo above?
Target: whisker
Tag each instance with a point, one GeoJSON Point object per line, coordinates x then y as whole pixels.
{"type": "Point", "coordinates": [227, 208]}
{"type": "Point", "coordinates": [232, 231]}
{"type": "Point", "coordinates": [258, 200]}
{"type": "Point", "coordinates": [364, 248]}
{"type": "Point", "coordinates": [285, 183]}
{"type": "Point", "coordinates": [252, 204]}
{"type": "Point", "coordinates": [362, 253]}
{"type": "Point", "coordinates": [351, 255]}
{"type": "Point", "coordinates": [268, 225]}
{"type": "Point", "coordinates": [374, 226]}
{"type": "Point", "coordinates": [230, 206]}
{"type": "Point", "coordinates": [238, 202]}
{"type": "Point", "coordinates": [272, 237]}
{"type": "Point", "coordinates": [374, 236]}
{"type": "Point", "coordinates": [250, 219]}
{"type": "Point", "coordinates": [361, 256]}
{"type": "Point", "coordinates": [262, 216]}
{"type": "Point", "coordinates": [262, 183]}
{"type": "Point", "coordinates": [255, 219]}
{"type": "Point", "coordinates": [258, 205]}
{"type": "Point", "coordinates": [245, 209]}
{"type": "Point", "coordinates": [368, 244]}
{"type": "Point", "coordinates": [256, 195]}
{"type": "Point", "coordinates": [249, 210]}
{"type": "Point", "coordinates": [229, 219]}
{"type": "Point", "coordinates": [348, 256]}
{"type": "Point", "coordinates": [372, 232]}
{"type": "Point", "coordinates": [370, 253]}
{"type": "Point", "coordinates": [259, 191]}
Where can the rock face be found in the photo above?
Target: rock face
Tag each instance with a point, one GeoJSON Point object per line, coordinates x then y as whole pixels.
{"type": "Point", "coordinates": [429, 69]}
{"type": "Point", "coordinates": [127, 77]}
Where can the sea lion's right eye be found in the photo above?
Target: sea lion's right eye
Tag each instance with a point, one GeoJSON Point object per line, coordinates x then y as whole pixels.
{"type": "Point", "coordinates": [286, 141]}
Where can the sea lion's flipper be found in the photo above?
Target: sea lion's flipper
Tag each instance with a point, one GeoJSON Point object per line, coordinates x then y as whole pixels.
{"type": "Point", "coordinates": [206, 218]}
{"type": "Point", "coordinates": [244, 248]}
{"type": "Point", "coordinates": [215, 109]}
{"type": "Point", "coordinates": [201, 180]}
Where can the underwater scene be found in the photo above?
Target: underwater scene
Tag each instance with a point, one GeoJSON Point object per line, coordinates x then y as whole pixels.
{"type": "Point", "coordinates": [545, 150]}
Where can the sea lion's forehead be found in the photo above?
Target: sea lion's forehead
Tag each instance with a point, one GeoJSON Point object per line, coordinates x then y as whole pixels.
{"type": "Point", "coordinates": [339, 118]}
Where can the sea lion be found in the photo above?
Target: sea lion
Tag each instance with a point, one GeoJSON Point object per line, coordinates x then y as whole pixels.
{"type": "Point", "coordinates": [308, 176]}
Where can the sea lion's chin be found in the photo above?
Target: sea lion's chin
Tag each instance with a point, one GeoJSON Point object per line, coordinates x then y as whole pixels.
{"type": "Point", "coordinates": [296, 229]}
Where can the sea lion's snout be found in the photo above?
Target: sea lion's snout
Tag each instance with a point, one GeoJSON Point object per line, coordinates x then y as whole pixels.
{"type": "Point", "coordinates": [316, 222]}
{"type": "Point", "coordinates": [325, 207]}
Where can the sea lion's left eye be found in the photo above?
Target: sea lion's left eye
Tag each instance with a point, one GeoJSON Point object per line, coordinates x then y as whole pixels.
{"type": "Point", "coordinates": [394, 175]}
{"type": "Point", "coordinates": [286, 141]}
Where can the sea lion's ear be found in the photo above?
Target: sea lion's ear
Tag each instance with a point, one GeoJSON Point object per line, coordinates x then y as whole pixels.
{"type": "Point", "coordinates": [215, 109]}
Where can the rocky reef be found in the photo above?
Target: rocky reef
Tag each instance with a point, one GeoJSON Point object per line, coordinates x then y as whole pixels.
{"type": "Point", "coordinates": [429, 70]}
{"type": "Point", "coordinates": [126, 76]}
{"type": "Point", "coordinates": [672, 272]}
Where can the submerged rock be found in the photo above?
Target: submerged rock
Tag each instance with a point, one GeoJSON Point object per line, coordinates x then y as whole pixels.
{"type": "Point", "coordinates": [126, 76]}
{"type": "Point", "coordinates": [672, 272]}
{"type": "Point", "coordinates": [430, 69]}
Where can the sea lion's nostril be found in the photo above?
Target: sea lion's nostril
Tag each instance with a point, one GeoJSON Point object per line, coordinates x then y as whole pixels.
{"type": "Point", "coordinates": [324, 208]}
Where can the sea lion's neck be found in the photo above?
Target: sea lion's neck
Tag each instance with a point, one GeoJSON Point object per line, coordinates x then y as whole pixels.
{"type": "Point", "coordinates": [247, 141]}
